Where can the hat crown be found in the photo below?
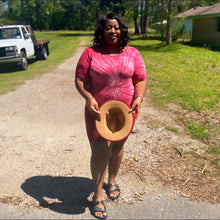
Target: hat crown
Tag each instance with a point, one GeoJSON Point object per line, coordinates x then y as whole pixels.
{"type": "Point", "coordinates": [115, 119]}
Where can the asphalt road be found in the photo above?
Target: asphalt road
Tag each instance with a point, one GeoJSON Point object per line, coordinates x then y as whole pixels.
{"type": "Point", "coordinates": [153, 206]}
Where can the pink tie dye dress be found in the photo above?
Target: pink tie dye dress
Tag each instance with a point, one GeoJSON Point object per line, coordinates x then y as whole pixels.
{"type": "Point", "coordinates": [109, 77]}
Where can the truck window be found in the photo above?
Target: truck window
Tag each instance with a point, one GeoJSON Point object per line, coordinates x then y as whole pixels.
{"type": "Point", "coordinates": [10, 33]}
{"type": "Point", "coordinates": [23, 31]}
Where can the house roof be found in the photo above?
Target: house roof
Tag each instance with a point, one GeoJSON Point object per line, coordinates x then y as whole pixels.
{"type": "Point", "coordinates": [201, 11]}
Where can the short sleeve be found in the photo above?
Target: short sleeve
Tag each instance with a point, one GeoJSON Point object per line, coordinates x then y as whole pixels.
{"type": "Point", "coordinates": [82, 68]}
{"type": "Point", "coordinates": [139, 67]}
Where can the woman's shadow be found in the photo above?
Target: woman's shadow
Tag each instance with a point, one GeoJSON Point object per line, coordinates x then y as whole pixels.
{"type": "Point", "coordinates": [68, 195]}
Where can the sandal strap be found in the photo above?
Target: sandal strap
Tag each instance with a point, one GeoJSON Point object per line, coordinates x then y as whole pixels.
{"type": "Point", "coordinates": [98, 203]}
{"type": "Point", "coordinates": [113, 190]}
{"type": "Point", "coordinates": [98, 210]}
{"type": "Point", "coordinates": [113, 184]}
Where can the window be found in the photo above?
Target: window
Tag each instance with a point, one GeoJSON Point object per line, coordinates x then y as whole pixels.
{"type": "Point", "coordinates": [218, 24]}
{"type": "Point", "coordinates": [10, 33]}
{"type": "Point", "coordinates": [23, 31]}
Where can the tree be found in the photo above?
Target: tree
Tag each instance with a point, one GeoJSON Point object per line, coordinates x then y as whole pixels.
{"type": "Point", "coordinates": [116, 6]}
{"type": "Point", "coordinates": [37, 13]}
{"type": "Point", "coordinates": [83, 14]}
{"type": "Point", "coordinates": [2, 8]}
{"type": "Point", "coordinates": [132, 13]}
{"type": "Point", "coordinates": [168, 9]}
{"type": "Point", "coordinates": [144, 16]}
{"type": "Point", "coordinates": [143, 12]}
{"type": "Point", "coordinates": [22, 12]}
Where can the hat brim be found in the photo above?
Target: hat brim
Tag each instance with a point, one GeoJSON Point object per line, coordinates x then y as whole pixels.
{"type": "Point", "coordinates": [126, 122]}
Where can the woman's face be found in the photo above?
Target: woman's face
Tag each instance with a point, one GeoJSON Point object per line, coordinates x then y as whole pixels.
{"type": "Point", "coordinates": [112, 32]}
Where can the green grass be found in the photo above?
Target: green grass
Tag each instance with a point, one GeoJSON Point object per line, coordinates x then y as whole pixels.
{"type": "Point", "coordinates": [62, 45]}
{"type": "Point", "coordinates": [215, 160]}
{"type": "Point", "coordinates": [214, 149]}
{"type": "Point", "coordinates": [197, 130]}
{"type": "Point", "coordinates": [189, 76]}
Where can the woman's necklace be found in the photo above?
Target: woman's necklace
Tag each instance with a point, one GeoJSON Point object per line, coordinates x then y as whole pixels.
{"type": "Point", "coordinates": [114, 51]}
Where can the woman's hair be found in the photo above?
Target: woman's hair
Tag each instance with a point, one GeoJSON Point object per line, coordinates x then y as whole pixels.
{"type": "Point", "coordinates": [99, 31]}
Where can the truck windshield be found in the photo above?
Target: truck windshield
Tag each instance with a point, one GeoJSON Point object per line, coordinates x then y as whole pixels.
{"type": "Point", "coordinates": [10, 33]}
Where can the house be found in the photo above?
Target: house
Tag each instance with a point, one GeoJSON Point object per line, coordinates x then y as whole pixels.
{"type": "Point", "coordinates": [202, 24]}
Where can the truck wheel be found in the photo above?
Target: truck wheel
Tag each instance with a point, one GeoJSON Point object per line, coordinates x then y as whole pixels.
{"type": "Point", "coordinates": [23, 64]}
{"type": "Point", "coordinates": [42, 54]}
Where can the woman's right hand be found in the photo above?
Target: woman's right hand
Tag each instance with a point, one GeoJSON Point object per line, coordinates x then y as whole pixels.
{"type": "Point", "coordinates": [93, 106]}
{"type": "Point", "coordinates": [81, 86]}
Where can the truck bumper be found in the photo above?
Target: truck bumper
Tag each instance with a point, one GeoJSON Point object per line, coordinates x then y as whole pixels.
{"type": "Point", "coordinates": [11, 59]}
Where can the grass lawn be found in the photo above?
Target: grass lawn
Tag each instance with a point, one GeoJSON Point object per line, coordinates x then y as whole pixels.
{"type": "Point", "coordinates": [189, 76]}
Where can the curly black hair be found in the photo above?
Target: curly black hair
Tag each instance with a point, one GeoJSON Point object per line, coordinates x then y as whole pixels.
{"type": "Point", "coordinates": [99, 31]}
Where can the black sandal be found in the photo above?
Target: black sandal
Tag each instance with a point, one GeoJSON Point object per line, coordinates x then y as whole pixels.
{"type": "Point", "coordinates": [109, 192]}
{"type": "Point", "coordinates": [95, 209]}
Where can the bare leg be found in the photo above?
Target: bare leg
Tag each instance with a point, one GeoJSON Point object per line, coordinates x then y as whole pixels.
{"type": "Point", "coordinates": [99, 162]}
{"type": "Point", "coordinates": [115, 163]}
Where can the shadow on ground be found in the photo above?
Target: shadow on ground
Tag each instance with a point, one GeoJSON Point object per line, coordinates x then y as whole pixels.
{"type": "Point", "coordinates": [14, 67]}
{"type": "Point", "coordinates": [67, 195]}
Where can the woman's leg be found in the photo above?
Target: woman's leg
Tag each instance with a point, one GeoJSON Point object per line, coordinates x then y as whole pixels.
{"type": "Point", "coordinates": [114, 164]}
{"type": "Point", "coordinates": [101, 152]}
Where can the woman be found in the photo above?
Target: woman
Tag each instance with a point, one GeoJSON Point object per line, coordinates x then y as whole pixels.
{"type": "Point", "coordinates": [110, 69]}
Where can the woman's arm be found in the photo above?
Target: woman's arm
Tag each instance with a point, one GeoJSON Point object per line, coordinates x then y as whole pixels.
{"type": "Point", "coordinates": [140, 88]}
{"type": "Point", "coordinates": [81, 87]}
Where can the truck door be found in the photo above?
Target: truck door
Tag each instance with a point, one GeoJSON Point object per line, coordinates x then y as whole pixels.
{"type": "Point", "coordinates": [29, 45]}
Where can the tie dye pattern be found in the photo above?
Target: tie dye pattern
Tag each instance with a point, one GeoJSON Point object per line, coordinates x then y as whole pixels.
{"type": "Point", "coordinates": [109, 77]}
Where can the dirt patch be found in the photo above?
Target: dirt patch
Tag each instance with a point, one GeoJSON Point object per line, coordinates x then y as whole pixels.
{"type": "Point", "coordinates": [44, 151]}
{"type": "Point", "coordinates": [173, 159]}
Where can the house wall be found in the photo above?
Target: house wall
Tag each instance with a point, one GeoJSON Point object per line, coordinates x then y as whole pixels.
{"type": "Point", "coordinates": [204, 31]}
{"type": "Point", "coordinates": [187, 30]}
{"type": "Point", "coordinates": [187, 25]}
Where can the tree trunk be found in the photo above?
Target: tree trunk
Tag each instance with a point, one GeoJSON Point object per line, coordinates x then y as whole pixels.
{"type": "Point", "coordinates": [146, 17]}
{"type": "Point", "coordinates": [37, 13]}
{"type": "Point", "coordinates": [168, 9]}
{"type": "Point", "coordinates": [81, 19]}
{"type": "Point", "coordinates": [135, 18]}
{"type": "Point", "coordinates": [168, 32]}
{"type": "Point", "coordinates": [142, 7]}
{"type": "Point", "coordinates": [22, 12]}
{"type": "Point", "coordinates": [97, 16]}
{"type": "Point", "coordinates": [136, 31]}
{"type": "Point", "coordinates": [192, 4]}
{"type": "Point", "coordinates": [146, 23]}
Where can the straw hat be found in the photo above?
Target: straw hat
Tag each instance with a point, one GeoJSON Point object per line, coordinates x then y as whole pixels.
{"type": "Point", "coordinates": [116, 121]}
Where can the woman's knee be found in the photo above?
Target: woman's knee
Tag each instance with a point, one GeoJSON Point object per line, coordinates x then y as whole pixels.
{"type": "Point", "coordinates": [101, 150]}
{"type": "Point", "coordinates": [117, 148]}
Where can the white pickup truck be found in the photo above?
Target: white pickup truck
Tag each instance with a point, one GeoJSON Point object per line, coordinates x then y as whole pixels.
{"type": "Point", "coordinates": [18, 42]}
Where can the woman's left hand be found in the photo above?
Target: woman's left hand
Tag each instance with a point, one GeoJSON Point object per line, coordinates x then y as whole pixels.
{"type": "Point", "coordinates": [136, 106]}
{"type": "Point", "coordinates": [140, 89]}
